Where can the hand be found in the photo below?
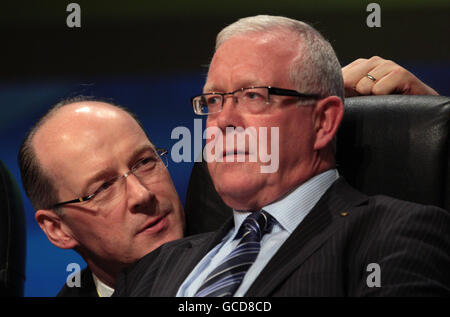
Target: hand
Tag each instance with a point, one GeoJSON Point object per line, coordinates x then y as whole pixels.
{"type": "Point", "coordinates": [390, 78]}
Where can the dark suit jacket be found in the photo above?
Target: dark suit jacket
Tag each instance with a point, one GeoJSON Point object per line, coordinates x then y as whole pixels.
{"type": "Point", "coordinates": [87, 287]}
{"type": "Point", "coordinates": [328, 254]}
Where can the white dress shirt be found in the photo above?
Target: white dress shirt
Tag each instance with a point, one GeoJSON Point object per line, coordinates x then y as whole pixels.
{"type": "Point", "coordinates": [103, 290]}
{"type": "Point", "coordinates": [289, 212]}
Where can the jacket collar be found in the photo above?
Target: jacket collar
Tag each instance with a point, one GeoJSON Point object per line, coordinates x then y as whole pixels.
{"type": "Point", "coordinates": [194, 252]}
{"type": "Point", "coordinates": [319, 225]}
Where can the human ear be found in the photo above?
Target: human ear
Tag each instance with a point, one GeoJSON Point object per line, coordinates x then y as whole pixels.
{"type": "Point", "coordinates": [54, 228]}
{"type": "Point", "coordinates": [328, 114]}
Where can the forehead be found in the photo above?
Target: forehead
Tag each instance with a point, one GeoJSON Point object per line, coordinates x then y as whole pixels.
{"type": "Point", "coordinates": [253, 59]}
{"type": "Point", "coordinates": [84, 122]}
{"type": "Point", "coordinates": [86, 136]}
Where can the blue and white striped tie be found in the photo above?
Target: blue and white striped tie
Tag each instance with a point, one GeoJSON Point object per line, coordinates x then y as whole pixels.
{"type": "Point", "coordinates": [225, 279]}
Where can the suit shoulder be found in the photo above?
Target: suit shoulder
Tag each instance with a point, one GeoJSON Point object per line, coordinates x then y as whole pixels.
{"type": "Point", "coordinates": [383, 217]}
{"type": "Point", "coordinates": [193, 240]}
{"type": "Point", "coordinates": [409, 242]}
{"type": "Point", "coordinates": [402, 208]}
{"type": "Point", "coordinates": [151, 257]}
{"type": "Point", "coordinates": [386, 206]}
{"type": "Point", "coordinates": [148, 267]}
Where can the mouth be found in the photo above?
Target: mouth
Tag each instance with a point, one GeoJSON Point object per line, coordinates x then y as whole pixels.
{"type": "Point", "coordinates": [234, 152]}
{"type": "Point", "coordinates": [154, 225]}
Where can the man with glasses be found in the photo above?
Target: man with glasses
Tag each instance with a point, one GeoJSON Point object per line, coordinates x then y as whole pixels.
{"type": "Point", "coordinates": [301, 230]}
{"type": "Point", "coordinates": [100, 187]}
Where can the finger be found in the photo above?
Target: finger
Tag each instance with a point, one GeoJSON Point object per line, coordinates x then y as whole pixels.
{"type": "Point", "coordinates": [352, 73]}
{"type": "Point", "coordinates": [392, 78]}
{"type": "Point", "coordinates": [365, 85]}
{"type": "Point", "coordinates": [401, 81]}
{"type": "Point", "coordinates": [389, 84]}
{"type": "Point", "coordinates": [357, 70]}
{"type": "Point", "coordinates": [370, 79]}
{"type": "Point", "coordinates": [354, 63]}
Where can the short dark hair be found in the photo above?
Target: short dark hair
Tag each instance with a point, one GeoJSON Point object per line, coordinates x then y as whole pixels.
{"type": "Point", "coordinates": [37, 183]}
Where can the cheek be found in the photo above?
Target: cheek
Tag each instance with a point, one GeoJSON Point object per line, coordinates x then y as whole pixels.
{"type": "Point", "coordinates": [164, 187]}
{"type": "Point", "coordinates": [296, 149]}
{"type": "Point", "coordinates": [99, 222]}
{"type": "Point", "coordinates": [89, 234]}
{"type": "Point", "coordinates": [166, 197]}
{"type": "Point", "coordinates": [296, 134]}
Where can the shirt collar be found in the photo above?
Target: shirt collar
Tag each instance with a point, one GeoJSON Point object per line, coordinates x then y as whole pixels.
{"type": "Point", "coordinates": [290, 210]}
{"type": "Point", "coordinates": [103, 290]}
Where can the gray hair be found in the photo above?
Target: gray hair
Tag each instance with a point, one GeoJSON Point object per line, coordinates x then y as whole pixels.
{"type": "Point", "coordinates": [316, 68]}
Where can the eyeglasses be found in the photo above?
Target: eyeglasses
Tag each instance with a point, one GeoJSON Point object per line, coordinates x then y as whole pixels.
{"type": "Point", "coordinates": [250, 99]}
{"type": "Point", "coordinates": [144, 170]}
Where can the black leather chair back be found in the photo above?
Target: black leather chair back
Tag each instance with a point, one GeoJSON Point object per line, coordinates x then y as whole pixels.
{"type": "Point", "coordinates": [12, 236]}
{"type": "Point", "coordinates": [393, 145]}
{"type": "Point", "coordinates": [205, 210]}
{"type": "Point", "coordinates": [397, 146]}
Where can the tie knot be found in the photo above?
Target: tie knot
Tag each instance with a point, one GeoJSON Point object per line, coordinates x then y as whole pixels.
{"type": "Point", "coordinates": [258, 223]}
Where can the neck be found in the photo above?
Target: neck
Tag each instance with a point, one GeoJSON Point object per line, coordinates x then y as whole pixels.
{"type": "Point", "coordinates": [106, 273]}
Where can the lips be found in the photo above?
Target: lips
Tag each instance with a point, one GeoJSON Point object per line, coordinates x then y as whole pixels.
{"type": "Point", "coordinates": [154, 225]}
{"type": "Point", "coordinates": [242, 155]}
{"type": "Point", "coordinates": [235, 152]}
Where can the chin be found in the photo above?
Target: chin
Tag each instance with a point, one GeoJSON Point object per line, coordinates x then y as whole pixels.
{"type": "Point", "coordinates": [235, 173]}
{"type": "Point", "coordinates": [237, 183]}
{"type": "Point", "coordinates": [238, 193]}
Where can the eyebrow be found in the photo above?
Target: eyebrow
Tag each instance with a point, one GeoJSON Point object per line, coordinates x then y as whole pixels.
{"type": "Point", "coordinates": [242, 84]}
{"type": "Point", "coordinates": [209, 88]}
{"type": "Point", "coordinates": [109, 173]}
{"type": "Point", "coordinates": [141, 150]}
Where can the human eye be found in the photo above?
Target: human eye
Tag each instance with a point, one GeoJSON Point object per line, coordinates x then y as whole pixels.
{"type": "Point", "coordinates": [254, 95]}
{"type": "Point", "coordinates": [146, 163]}
{"type": "Point", "coordinates": [212, 100]}
{"type": "Point", "coordinates": [106, 185]}
{"type": "Point", "coordinates": [103, 190]}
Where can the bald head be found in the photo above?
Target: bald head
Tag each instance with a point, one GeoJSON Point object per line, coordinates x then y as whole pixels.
{"type": "Point", "coordinates": [74, 126]}
{"type": "Point", "coordinates": [76, 121]}
{"type": "Point", "coordinates": [83, 133]}
{"type": "Point", "coordinates": [88, 148]}
{"type": "Point", "coordinates": [65, 124]}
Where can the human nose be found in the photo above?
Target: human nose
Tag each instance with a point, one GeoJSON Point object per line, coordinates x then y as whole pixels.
{"type": "Point", "coordinates": [230, 115]}
{"type": "Point", "coordinates": [138, 194]}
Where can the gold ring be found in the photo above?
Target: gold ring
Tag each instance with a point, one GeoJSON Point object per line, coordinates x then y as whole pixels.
{"type": "Point", "coordinates": [371, 77]}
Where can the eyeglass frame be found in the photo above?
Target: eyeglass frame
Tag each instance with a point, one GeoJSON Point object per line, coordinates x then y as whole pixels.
{"type": "Point", "coordinates": [160, 153]}
{"type": "Point", "coordinates": [271, 91]}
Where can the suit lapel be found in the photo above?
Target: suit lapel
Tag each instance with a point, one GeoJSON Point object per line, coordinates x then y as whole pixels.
{"type": "Point", "coordinates": [191, 255]}
{"type": "Point", "coordinates": [319, 225]}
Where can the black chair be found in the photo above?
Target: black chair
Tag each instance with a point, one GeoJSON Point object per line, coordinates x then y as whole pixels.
{"type": "Point", "coordinates": [393, 145]}
{"type": "Point", "coordinates": [12, 236]}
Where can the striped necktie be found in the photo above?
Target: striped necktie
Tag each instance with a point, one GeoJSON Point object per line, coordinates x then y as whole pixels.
{"type": "Point", "coordinates": [225, 279]}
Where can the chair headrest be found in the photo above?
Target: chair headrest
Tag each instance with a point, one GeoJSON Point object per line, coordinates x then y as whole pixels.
{"type": "Point", "coordinates": [397, 146]}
